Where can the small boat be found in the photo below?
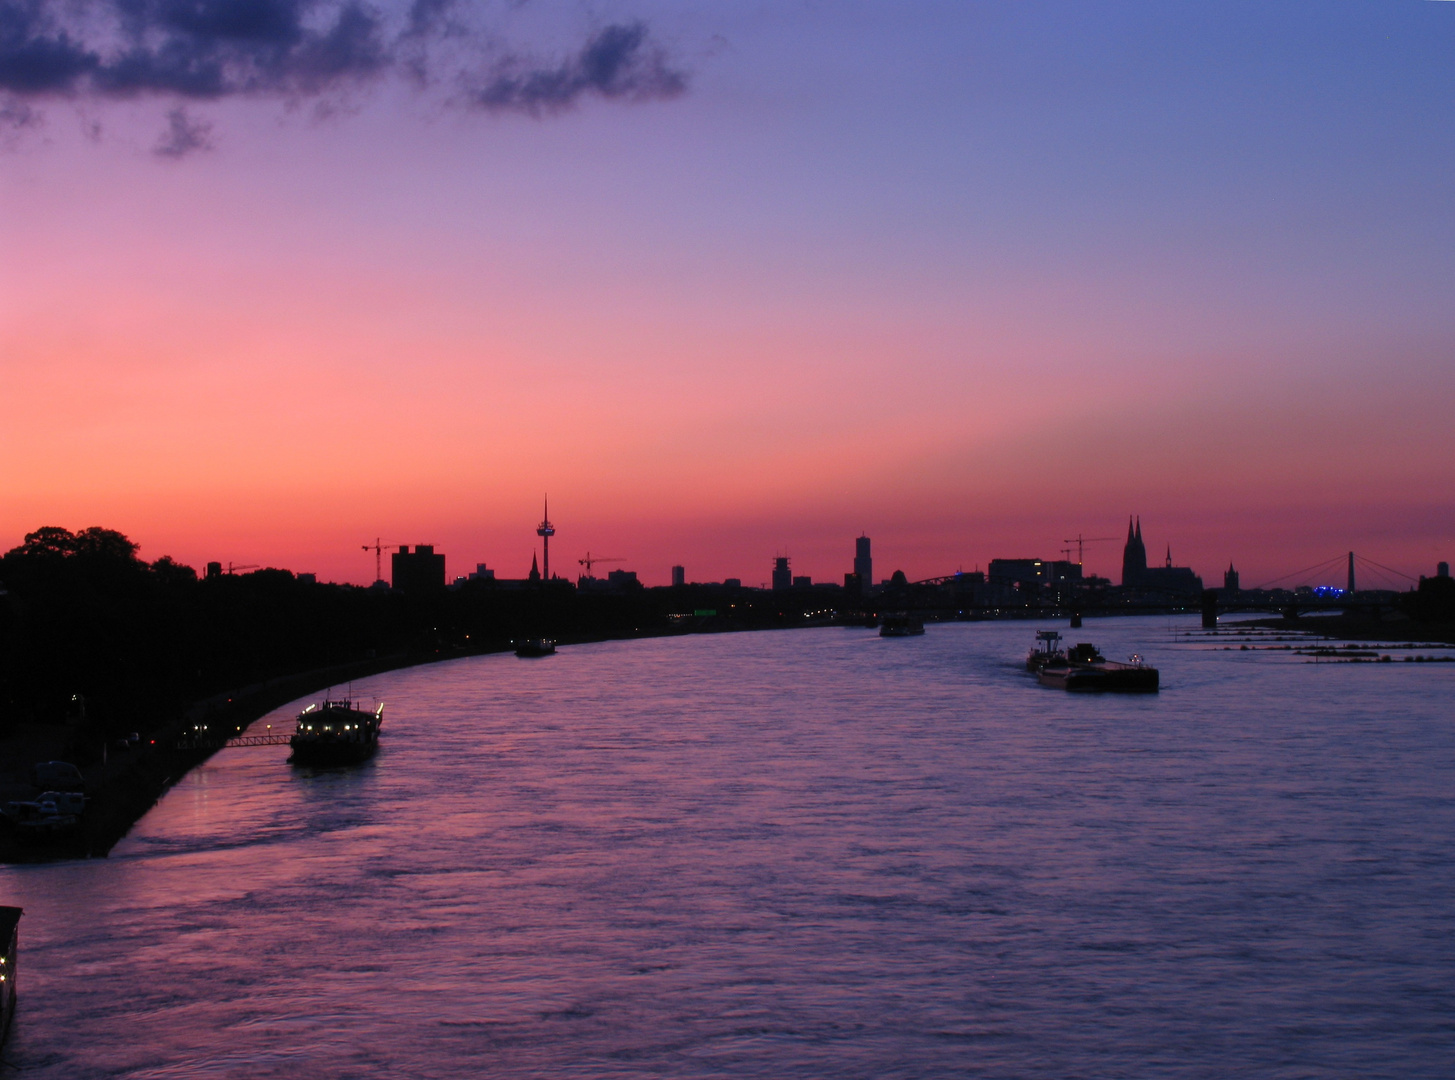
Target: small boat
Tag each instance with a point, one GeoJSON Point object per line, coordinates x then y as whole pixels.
{"type": "Point", "coordinates": [535, 647]}
{"type": "Point", "coordinates": [1082, 667]}
{"type": "Point", "coordinates": [900, 624]}
{"type": "Point", "coordinates": [336, 732]}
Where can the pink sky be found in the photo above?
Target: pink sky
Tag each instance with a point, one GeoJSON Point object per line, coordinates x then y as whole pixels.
{"type": "Point", "coordinates": [847, 282]}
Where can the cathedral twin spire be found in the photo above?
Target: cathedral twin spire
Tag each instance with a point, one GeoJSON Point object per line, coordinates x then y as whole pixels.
{"type": "Point", "coordinates": [1134, 555]}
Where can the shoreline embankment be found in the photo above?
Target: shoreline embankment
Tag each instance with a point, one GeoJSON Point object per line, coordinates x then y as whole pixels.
{"type": "Point", "coordinates": [125, 785]}
{"type": "Point", "coordinates": [129, 783]}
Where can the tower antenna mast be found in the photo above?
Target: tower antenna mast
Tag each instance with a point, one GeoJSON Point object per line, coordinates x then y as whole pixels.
{"type": "Point", "coordinates": [545, 531]}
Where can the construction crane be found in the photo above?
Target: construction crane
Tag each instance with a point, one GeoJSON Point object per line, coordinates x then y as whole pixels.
{"type": "Point", "coordinates": [377, 547]}
{"type": "Point", "coordinates": [591, 559]}
{"type": "Point", "coordinates": [233, 568]}
{"type": "Point", "coordinates": [1081, 541]}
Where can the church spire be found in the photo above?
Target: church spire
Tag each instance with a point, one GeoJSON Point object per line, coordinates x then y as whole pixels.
{"type": "Point", "coordinates": [1134, 555]}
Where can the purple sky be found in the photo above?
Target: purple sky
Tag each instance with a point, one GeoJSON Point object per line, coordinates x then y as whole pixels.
{"type": "Point", "coordinates": [732, 280]}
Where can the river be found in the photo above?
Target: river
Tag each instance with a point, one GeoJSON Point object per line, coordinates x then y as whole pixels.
{"type": "Point", "coordinates": [811, 853]}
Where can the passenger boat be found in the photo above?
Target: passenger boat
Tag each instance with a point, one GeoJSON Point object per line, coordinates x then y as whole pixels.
{"type": "Point", "coordinates": [535, 647]}
{"type": "Point", "coordinates": [1083, 668]}
{"type": "Point", "coordinates": [336, 732]}
{"type": "Point", "coordinates": [900, 624]}
{"type": "Point", "coordinates": [9, 943]}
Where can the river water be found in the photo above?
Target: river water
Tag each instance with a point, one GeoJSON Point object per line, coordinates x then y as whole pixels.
{"type": "Point", "coordinates": [811, 853]}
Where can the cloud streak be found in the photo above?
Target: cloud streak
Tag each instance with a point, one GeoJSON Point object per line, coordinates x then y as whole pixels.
{"type": "Point", "coordinates": [209, 50]}
{"type": "Point", "coordinates": [617, 62]}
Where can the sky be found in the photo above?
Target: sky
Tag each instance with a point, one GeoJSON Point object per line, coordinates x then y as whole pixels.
{"type": "Point", "coordinates": [730, 281]}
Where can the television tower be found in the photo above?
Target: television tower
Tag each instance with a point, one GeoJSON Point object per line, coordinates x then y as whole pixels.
{"type": "Point", "coordinates": [545, 531]}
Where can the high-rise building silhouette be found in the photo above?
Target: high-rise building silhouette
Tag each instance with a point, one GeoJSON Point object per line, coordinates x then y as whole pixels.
{"type": "Point", "coordinates": [420, 570]}
{"type": "Point", "coordinates": [679, 575]}
{"type": "Point", "coordinates": [782, 576]}
{"type": "Point", "coordinates": [863, 563]}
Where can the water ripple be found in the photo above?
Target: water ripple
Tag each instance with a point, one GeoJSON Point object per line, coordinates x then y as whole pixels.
{"type": "Point", "coordinates": [815, 853]}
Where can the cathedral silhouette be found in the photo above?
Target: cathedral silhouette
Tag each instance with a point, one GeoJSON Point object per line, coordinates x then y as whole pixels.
{"type": "Point", "coordinates": [1167, 578]}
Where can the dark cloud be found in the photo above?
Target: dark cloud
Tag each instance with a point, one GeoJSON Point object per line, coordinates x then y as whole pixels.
{"type": "Point", "coordinates": [184, 135]}
{"type": "Point", "coordinates": [188, 48]}
{"type": "Point", "coordinates": [616, 62]}
{"type": "Point", "coordinates": [430, 17]}
{"type": "Point", "coordinates": [36, 57]}
{"type": "Point", "coordinates": [207, 50]}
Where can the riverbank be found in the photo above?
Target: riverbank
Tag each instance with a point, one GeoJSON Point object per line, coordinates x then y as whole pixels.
{"type": "Point", "coordinates": [126, 783]}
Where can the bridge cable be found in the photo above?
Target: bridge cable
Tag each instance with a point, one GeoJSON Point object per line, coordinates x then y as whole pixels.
{"type": "Point", "coordinates": [1303, 572]}
{"type": "Point", "coordinates": [1388, 569]}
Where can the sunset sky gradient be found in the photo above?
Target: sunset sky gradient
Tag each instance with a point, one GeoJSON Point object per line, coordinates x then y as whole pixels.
{"type": "Point", "coordinates": [969, 277]}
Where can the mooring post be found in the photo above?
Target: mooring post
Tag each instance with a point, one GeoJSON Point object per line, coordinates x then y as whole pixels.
{"type": "Point", "coordinates": [1209, 609]}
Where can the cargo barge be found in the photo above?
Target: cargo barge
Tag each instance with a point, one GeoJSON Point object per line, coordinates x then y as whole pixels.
{"type": "Point", "coordinates": [1082, 667]}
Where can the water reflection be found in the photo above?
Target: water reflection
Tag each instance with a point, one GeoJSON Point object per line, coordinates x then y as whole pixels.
{"type": "Point", "coordinates": [808, 853]}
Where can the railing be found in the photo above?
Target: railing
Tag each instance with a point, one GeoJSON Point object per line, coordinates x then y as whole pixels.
{"type": "Point", "coordinates": [236, 740]}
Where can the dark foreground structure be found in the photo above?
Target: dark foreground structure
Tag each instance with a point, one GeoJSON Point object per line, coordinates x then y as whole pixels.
{"type": "Point", "coordinates": [9, 945]}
